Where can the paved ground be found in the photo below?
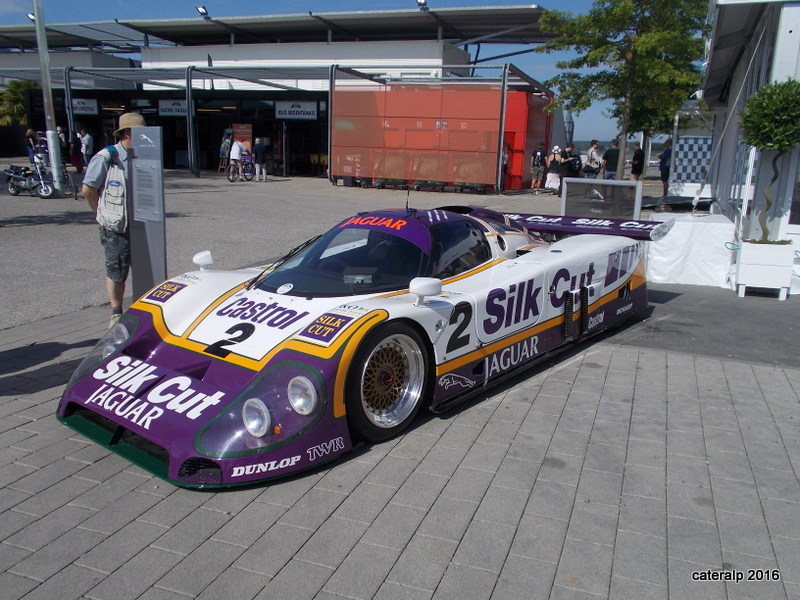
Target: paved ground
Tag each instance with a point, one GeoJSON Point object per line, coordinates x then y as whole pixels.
{"type": "Point", "coordinates": [626, 469]}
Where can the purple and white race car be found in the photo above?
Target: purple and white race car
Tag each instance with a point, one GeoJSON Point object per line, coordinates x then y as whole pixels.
{"type": "Point", "coordinates": [221, 378]}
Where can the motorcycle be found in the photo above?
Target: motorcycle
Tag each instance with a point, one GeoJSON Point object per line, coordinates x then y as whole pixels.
{"type": "Point", "coordinates": [33, 178]}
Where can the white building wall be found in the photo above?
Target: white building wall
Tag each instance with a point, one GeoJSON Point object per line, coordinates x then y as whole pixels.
{"type": "Point", "coordinates": [423, 58]}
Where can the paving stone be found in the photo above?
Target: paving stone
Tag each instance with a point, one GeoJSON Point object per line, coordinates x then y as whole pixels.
{"type": "Point", "coordinates": [57, 555]}
{"type": "Point", "coordinates": [539, 538]}
{"type": "Point", "coordinates": [448, 518]}
{"type": "Point", "coordinates": [691, 501]}
{"type": "Point", "coordinates": [273, 550]}
{"type": "Point", "coordinates": [195, 572]}
{"type": "Point", "coordinates": [353, 580]}
{"type": "Point", "coordinates": [365, 503]}
{"type": "Point", "coordinates": [641, 557]}
{"type": "Point", "coordinates": [136, 576]}
{"type": "Point", "coordinates": [119, 548]}
{"type": "Point", "coordinates": [461, 581]}
{"type": "Point", "coordinates": [599, 487]}
{"type": "Point", "coordinates": [694, 541]}
{"type": "Point", "coordinates": [235, 583]}
{"type": "Point", "coordinates": [423, 562]}
{"type": "Point", "coordinates": [525, 579]}
{"type": "Point", "coordinates": [644, 481]}
{"type": "Point", "coordinates": [585, 567]}
{"type": "Point", "coordinates": [394, 526]}
{"type": "Point", "coordinates": [332, 542]}
{"type": "Point", "coordinates": [593, 523]}
{"type": "Point", "coordinates": [40, 532]}
{"type": "Point", "coordinates": [683, 586]}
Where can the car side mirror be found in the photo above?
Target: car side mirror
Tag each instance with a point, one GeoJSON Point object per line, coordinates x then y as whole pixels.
{"type": "Point", "coordinates": [425, 286]}
{"type": "Point", "coordinates": [203, 259]}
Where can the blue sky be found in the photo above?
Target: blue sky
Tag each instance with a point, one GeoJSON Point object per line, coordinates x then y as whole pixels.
{"type": "Point", "coordinates": [589, 124]}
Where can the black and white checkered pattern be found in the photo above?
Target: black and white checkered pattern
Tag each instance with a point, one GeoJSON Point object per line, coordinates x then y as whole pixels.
{"type": "Point", "coordinates": [692, 158]}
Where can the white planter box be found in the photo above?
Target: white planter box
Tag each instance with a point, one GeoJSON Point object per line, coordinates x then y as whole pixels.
{"type": "Point", "coordinates": [765, 266]}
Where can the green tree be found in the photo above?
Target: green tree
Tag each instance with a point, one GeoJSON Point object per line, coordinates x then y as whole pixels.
{"type": "Point", "coordinates": [642, 55]}
{"type": "Point", "coordinates": [12, 101]}
{"type": "Point", "coordinates": [770, 121]}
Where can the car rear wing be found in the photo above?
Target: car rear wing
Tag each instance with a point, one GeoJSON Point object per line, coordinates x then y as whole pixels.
{"type": "Point", "coordinates": [638, 230]}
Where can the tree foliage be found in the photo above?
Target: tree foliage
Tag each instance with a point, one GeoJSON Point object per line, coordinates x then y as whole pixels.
{"type": "Point", "coordinates": [771, 117]}
{"type": "Point", "coordinates": [12, 101]}
{"type": "Point", "coordinates": [642, 55]}
{"type": "Point", "coordinates": [770, 120]}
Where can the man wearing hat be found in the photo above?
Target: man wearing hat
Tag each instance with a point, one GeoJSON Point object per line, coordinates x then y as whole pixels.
{"type": "Point", "coordinates": [115, 237]}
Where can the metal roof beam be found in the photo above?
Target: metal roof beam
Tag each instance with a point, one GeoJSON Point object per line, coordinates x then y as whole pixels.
{"type": "Point", "coordinates": [331, 25]}
{"type": "Point", "coordinates": [229, 75]}
{"type": "Point", "coordinates": [498, 34]}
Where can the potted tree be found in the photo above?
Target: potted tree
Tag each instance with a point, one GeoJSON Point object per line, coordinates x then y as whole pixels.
{"type": "Point", "coordinates": [770, 122]}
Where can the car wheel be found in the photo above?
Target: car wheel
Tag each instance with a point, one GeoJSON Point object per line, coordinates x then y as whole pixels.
{"type": "Point", "coordinates": [12, 188]}
{"type": "Point", "coordinates": [388, 382]}
{"type": "Point", "coordinates": [45, 190]}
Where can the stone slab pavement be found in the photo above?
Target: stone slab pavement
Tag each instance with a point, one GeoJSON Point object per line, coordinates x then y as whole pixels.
{"type": "Point", "coordinates": [651, 463]}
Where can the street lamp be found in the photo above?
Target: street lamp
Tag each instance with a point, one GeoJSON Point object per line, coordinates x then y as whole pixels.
{"type": "Point", "coordinates": [203, 12]}
{"type": "Point", "coordinates": [53, 143]}
{"type": "Point", "coordinates": [422, 5]}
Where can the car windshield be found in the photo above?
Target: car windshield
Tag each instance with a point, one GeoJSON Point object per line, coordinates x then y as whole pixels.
{"type": "Point", "coordinates": [347, 262]}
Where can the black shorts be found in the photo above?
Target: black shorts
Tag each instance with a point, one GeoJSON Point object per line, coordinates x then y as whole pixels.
{"type": "Point", "coordinates": [665, 175]}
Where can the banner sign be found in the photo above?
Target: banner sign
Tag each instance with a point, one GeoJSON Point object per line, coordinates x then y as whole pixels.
{"type": "Point", "coordinates": [84, 106]}
{"type": "Point", "coordinates": [295, 110]}
{"type": "Point", "coordinates": [172, 108]}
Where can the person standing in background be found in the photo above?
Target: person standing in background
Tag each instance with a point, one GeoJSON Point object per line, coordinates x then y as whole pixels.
{"type": "Point", "coordinates": [75, 156]}
{"type": "Point", "coordinates": [260, 159]}
{"type": "Point", "coordinates": [538, 164]}
{"type": "Point", "coordinates": [30, 144]}
{"type": "Point", "coordinates": [664, 160]}
{"type": "Point", "coordinates": [87, 145]}
{"type": "Point", "coordinates": [610, 159]}
{"type": "Point", "coordinates": [553, 181]}
{"type": "Point", "coordinates": [593, 160]}
{"type": "Point", "coordinates": [637, 162]}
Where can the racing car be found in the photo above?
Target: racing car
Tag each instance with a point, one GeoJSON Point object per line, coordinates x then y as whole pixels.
{"type": "Point", "coordinates": [223, 378]}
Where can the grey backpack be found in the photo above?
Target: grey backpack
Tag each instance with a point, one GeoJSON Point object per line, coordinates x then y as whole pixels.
{"type": "Point", "coordinates": [111, 209]}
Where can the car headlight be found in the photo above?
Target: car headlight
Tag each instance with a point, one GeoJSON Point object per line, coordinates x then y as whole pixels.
{"type": "Point", "coordinates": [302, 395]}
{"type": "Point", "coordinates": [113, 339]}
{"type": "Point", "coordinates": [282, 403]}
{"type": "Point", "coordinates": [255, 415]}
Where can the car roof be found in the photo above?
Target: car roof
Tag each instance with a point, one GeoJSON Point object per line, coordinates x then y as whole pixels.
{"type": "Point", "coordinates": [410, 224]}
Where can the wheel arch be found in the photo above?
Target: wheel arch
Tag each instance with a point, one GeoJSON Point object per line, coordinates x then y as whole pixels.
{"type": "Point", "coordinates": [361, 424]}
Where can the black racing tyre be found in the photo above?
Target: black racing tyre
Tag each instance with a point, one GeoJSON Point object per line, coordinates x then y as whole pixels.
{"type": "Point", "coordinates": [248, 171]}
{"type": "Point", "coordinates": [387, 383]}
{"type": "Point", "coordinates": [45, 189]}
{"type": "Point", "coordinates": [12, 188]}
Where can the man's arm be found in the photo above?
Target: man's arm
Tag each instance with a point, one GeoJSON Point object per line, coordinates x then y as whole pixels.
{"type": "Point", "coordinates": [92, 196]}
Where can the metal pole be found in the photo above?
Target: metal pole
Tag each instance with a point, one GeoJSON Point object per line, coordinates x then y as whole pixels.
{"type": "Point", "coordinates": [501, 140]}
{"type": "Point", "coordinates": [53, 143]}
{"type": "Point", "coordinates": [331, 85]}
{"type": "Point", "coordinates": [191, 136]}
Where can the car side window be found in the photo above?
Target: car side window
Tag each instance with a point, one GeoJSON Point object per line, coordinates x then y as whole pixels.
{"type": "Point", "coordinates": [458, 246]}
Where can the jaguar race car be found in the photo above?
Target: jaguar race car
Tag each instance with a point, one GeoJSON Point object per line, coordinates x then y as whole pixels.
{"type": "Point", "coordinates": [220, 378]}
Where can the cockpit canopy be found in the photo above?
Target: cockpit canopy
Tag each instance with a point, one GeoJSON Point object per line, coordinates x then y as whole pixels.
{"type": "Point", "coordinates": [381, 252]}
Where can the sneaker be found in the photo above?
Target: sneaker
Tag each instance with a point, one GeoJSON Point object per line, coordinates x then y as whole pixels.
{"type": "Point", "coordinates": [114, 318]}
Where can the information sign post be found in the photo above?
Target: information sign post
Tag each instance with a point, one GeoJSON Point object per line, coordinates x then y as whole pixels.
{"type": "Point", "coordinates": [147, 228]}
